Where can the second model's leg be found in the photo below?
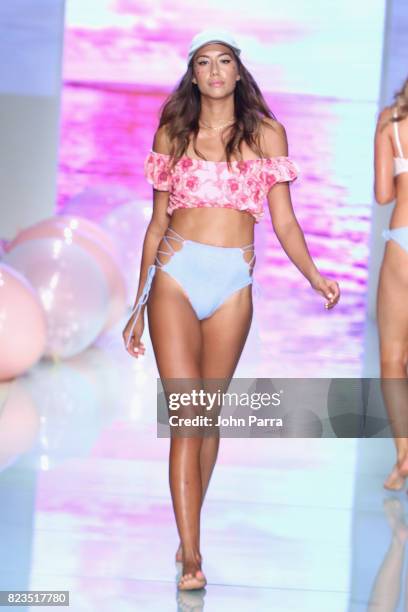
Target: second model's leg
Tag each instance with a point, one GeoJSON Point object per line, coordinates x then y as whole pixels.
{"type": "Point", "coordinates": [392, 318]}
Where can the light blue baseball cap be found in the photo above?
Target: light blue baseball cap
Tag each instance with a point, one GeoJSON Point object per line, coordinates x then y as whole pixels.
{"type": "Point", "coordinates": [212, 35]}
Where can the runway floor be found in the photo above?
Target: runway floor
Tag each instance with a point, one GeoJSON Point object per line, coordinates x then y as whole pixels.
{"type": "Point", "coordinates": [288, 524]}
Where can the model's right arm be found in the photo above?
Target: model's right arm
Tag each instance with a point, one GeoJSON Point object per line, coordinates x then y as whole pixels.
{"type": "Point", "coordinates": [384, 186]}
{"type": "Point", "coordinates": [159, 220]}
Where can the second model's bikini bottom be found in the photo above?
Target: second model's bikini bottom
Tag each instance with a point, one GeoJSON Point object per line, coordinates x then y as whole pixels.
{"type": "Point", "coordinates": [208, 274]}
{"type": "Point", "coordinates": [399, 234]}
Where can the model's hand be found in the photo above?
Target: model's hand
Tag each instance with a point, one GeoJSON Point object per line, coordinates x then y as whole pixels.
{"type": "Point", "coordinates": [329, 289]}
{"type": "Point", "coordinates": [133, 343]}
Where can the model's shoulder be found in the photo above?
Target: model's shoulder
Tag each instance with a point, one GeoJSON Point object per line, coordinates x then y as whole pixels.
{"type": "Point", "coordinates": [385, 115]}
{"type": "Point", "coordinates": [161, 140]}
{"type": "Point", "coordinates": [273, 137]}
{"type": "Point", "coordinates": [268, 123]}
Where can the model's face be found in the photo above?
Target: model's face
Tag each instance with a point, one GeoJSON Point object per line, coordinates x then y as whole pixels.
{"type": "Point", "coordinates": [215, 70]}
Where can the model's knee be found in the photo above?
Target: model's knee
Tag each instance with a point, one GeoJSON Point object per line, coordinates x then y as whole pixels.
{"type": "Point", "coordinates": [187, 443]}
{"type": "Point", "coordinates": [393, 359]}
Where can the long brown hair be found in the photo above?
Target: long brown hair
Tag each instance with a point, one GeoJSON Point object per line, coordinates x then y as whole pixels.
{"type": "Point", "coordinates": [181, 110]}
{"type": "Point", "coordinates": [401, 102]}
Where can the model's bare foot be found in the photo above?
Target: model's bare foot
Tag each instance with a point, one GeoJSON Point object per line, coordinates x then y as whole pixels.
{"type": "Point", "coordinates": [395, 481]}
{"type": "Point", "coordinates": [394, 511]}
{"type": "Point", "coordinates": [192, 577]}
{"type": "Point", "coordinates": [179, 555]}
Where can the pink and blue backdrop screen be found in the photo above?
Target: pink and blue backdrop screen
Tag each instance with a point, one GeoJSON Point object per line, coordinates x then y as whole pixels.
{"type": "Point", "coordinates": [319, 66]}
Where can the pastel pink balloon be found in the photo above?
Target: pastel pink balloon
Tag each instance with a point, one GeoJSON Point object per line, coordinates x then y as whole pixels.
{"type": "Point", "coordinates": [23, 326]}
{"type": "Point", "coordinates": [70, 222]}
{"type": "Point", "coordinates": [72, 289]}
{"type": "Point", "coordinates": [90, 228]}
{"type": "Point", "coordinates": [97, 243]}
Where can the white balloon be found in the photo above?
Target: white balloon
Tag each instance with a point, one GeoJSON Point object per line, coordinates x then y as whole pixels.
{"type": "Point", "coordinates": [72, 289]}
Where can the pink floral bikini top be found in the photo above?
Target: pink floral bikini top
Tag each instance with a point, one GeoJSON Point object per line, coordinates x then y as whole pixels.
{"type": "Point", "coordinates": [197, 183]}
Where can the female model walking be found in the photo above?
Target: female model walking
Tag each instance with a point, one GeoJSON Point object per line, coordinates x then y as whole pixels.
{"type": "Point", "coordinates": [391, 182]}
{"type": "Point", "coordinates": [217, 154]}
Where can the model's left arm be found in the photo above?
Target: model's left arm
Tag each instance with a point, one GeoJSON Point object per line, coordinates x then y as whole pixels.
{"type": "Point", "coordinates": [285, 224]}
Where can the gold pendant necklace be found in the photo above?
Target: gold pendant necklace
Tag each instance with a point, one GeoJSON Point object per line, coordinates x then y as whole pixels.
{"type": "Point", "coordinates": [217, 127]}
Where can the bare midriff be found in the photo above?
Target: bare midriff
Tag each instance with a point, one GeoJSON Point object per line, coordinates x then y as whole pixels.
{"type": "Point", "coordinates": [216, 226]}
{"type": "Point", "coordinates": [400, 213]}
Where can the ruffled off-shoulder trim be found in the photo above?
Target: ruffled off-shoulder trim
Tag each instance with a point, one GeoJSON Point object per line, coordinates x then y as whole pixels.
{"type": "Point", "coordinates": [285, 169]}
{"type": "Point", "coordinates": [156, 170]}
{"type": "Point", "coordinates": [275, 169]}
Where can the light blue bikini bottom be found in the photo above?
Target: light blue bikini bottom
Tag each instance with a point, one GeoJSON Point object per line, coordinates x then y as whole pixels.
{"type": "Point", "coordinates": [399, 234]}
{"type": "Point", "coordinates": [208, 274]}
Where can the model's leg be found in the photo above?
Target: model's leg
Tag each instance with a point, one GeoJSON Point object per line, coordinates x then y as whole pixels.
{"type": "Point", "coordinates": [392, 318]}
{"type": "Point", "coordinates": [176, 337]}
{"type": "Point", "coordinates": [208, 456]}
{"type": "Point", "coordinates": [224, 335]}
{"type": "Point", "coordinates": [223, 338]}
